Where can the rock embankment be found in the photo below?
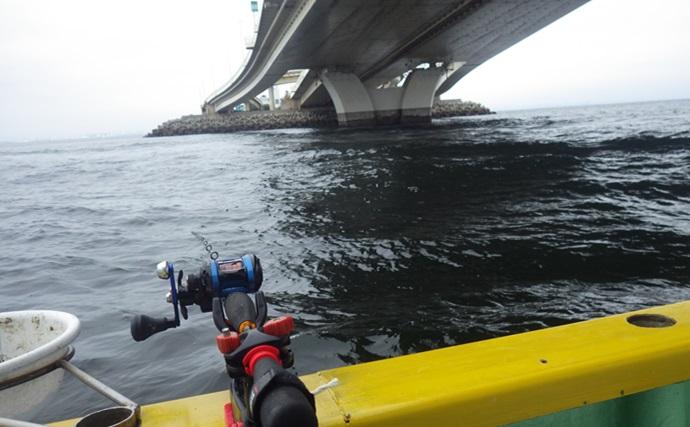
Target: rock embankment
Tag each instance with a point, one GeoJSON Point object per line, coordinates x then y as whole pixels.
{"type": "Point", "coordinates": [456, 107]}
{"type": "Point", "coordinates": [259, 120]}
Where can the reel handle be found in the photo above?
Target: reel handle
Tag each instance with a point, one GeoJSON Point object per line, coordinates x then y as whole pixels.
{"type": "Point", "coordinates": [143, 326]}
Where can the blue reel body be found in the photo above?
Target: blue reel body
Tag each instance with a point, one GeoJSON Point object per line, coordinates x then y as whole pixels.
{"type": "Point", "coordinates": [236, 275]}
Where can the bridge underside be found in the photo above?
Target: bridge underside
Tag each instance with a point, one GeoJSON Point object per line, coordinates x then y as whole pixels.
{"type": "Point", "coordinates": [364, 57]}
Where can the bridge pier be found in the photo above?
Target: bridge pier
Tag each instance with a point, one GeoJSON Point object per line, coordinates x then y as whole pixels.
{"type": "Point", "coordinates": [386, 103]}
{"type": "Point", "coordinates": [357, 104]}
{"type": "Point", "coordinates": [271, 98]}
{"type": "Point", "coordinates": [420, 90]}
{"type": "Point", "coordinates": [350, 98]}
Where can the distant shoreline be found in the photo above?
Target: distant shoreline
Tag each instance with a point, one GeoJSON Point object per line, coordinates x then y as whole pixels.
{"type": "Point", "coordinates": [283, 119]}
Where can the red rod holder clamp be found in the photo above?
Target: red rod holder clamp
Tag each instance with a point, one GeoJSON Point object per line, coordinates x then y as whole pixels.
{"type": "Point", "coordinates": [230, 420]}
{"type": "Point", "coordinates": [228, 342]}
{"type": "Point", "coordinates": [257, 353]}
{"type": "Point", "coordinates": [279, 327]}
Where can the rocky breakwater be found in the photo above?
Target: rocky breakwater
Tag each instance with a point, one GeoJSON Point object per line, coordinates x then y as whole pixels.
{"type": "Point", "coordinates": [281, 119]}
{"type": "Point", "coordinates": [456, 107]}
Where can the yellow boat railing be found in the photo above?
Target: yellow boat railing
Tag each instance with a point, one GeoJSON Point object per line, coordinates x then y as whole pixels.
{"type": "Point", "coordinates": [494, 382]}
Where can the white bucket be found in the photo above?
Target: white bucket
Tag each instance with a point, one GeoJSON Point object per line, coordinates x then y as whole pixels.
{"type": "Point", "coordinates": [32, 341]}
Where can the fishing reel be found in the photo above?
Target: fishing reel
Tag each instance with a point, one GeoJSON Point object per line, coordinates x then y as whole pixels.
{"type": "Point", "coordinates": [222, 286]}
{"type": "Point", "coordinates": [214, 282]}
{"type": "Point", "coordinates": [256, 351]}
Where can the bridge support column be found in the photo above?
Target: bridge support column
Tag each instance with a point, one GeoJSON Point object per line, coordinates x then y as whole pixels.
{"type": "Point", "coordinates": [418, 98]}
{"type": "Point", "coordinates": [272, 98]}
{"type": "Point", "coordinates": [386, 103]}
{"type": "Point", "coordinates": [360, 105]}
{"type": "Point", "coordinates": [350, 98]}
{"type": "Point", "coordinates": [208, 109]}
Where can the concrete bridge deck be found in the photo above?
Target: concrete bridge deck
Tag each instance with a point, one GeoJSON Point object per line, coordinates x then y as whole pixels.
{"type": "Point", "coordinates": [380, 61]}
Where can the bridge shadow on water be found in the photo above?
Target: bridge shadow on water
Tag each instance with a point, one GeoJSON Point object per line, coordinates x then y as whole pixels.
{"type": "Point", "coordinates": [414, 239]}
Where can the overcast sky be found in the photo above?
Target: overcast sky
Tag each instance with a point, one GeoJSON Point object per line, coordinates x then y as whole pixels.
{"type": "Point", "coordinates": [82, 67]}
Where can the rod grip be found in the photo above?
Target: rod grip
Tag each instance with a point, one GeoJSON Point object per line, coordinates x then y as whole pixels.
{"type": "Point", "coordinates": [287, 407]}
{"type": "Point", "coordinates": [239, 308]}
{"type": "Point", "coordinates": [284, 403]}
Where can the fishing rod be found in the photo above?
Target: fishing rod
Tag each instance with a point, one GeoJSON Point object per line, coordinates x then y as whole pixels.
{"type": "Point", "coordinates": [256, 350]}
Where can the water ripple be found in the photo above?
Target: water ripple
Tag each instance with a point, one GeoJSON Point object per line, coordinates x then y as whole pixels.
{"type": "Point", "coordinates": [381, 242]}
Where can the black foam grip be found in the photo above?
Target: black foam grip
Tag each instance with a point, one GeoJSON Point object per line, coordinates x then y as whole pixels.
{"type": "Point", "coordinates": [286, 406]}
{"type": "Point", "coordinates": [280, 397]}
{"type": "Point", "coordinates": [239, 308]}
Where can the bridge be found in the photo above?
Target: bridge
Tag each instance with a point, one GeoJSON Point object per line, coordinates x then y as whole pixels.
{"type": "Point", "coordinates": [378, 61]}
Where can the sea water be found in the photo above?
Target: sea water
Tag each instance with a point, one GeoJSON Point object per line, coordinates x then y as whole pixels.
{"type": "Point", "coordinates": [380, 242]}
